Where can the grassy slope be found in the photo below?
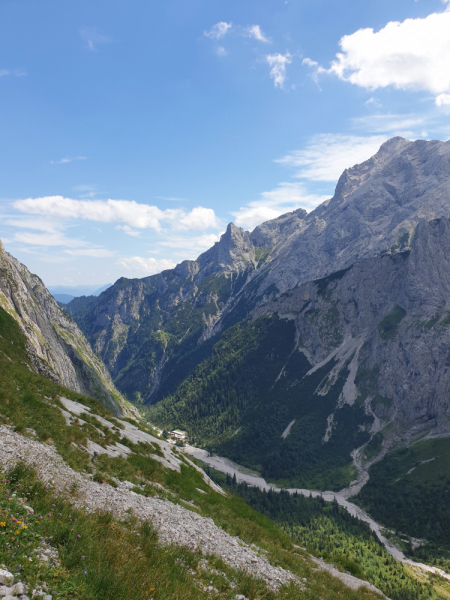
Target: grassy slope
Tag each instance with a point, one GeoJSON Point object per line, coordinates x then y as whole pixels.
{"type": "Point", "coordinates": [240, 399]}
{"type": "Point", "coordinates": [30, 401]}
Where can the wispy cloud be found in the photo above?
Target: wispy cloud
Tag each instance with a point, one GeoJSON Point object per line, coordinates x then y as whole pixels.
{"type": "Point", "coordinates": [254, 31]}
{"type": "Point", "coordinates": [129, 231]}
{"type": "Point", "coordinates": [286, 197]}
{"type": "Point", "coordinates": [141, 266]}
{"type": "Point", "coordinates": [94, 37]}
{"type": "Point", "coordinates": [92, 252]}
{"type": "Point", "coordinates": [171, 198]}
{"type": "Point", "coordinates": [326, 156]}
{"type": "Point", "coordinates": [12, 73]}
{"type": "Point", "coordinates": [278, 63]}
{"type": "Point", "coordinates": [219, 30]}
{"type": "Point", "coordinates": [67, 159]}
{"type": "Point", "coordinates": [50, 239]}
{"type": "Point", "coordinates": [407, 125]}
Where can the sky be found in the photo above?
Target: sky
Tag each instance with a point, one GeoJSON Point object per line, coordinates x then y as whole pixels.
{"type": "Point", "coordinates": [132, 132]}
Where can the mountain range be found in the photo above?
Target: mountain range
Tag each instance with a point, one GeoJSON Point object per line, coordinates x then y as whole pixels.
{"type": "Point", "coordinates": [314, 350]}
{"type": "Point", "coordinates": [333, 322]}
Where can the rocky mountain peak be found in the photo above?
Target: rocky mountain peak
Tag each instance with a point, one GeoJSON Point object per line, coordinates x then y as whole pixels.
{"type": "Point", "coordinates": [233, 252]}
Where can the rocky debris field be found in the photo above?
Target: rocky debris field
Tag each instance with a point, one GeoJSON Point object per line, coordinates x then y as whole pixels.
{"type": "Point", "coordinates": [10, 588]}
{"type": "Point", "coordinates": [174, 523]}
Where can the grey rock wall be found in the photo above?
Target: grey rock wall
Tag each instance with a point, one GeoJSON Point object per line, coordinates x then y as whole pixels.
{"type": "Point", "coordinates": [57, 348]}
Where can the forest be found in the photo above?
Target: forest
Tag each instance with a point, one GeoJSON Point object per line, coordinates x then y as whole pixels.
{"type": "Point", "coordinates": [328, 531]}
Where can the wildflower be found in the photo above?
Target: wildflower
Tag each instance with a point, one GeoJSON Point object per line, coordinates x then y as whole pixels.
{"type": "Point", "coordinates": [85, 572]}
{"type": "Point", "coordinates": [12, 539]}
{"type": "Point", "coordinates": [24, 526]}
{"type": "Point", "coordinates": [83, 557]}
{"type": "Point", "coordinates": [78, 535]}
{"type": "Point", "coordinates": [53, 504]}
{"type": "Point", "coordinates": [3, 524]}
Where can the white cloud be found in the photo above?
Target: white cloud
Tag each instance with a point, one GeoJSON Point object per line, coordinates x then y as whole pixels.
{"type": "Point", "coordinates": [50, 239]}
{"type": "Point", "coordinates": [255, 32]}
{"type": "Point", "coordinates": [14, 72]}
{"type": "Point", "coordinates": [39, 224]}
{"type": "Point", "coordinates": [327, 155]}
{"type": "Point", "coordinates": [129, 231]}
{"type": "Point", "coordinates": [193, 244]}
{"type": "Point", "coordinates": [443, 99]}
{"type": "Point", "coordinates": [284, 198]}
{"type": "Point", "coordinates": [372, 102]}
{"type": "Point", "coordinates": [408, 125]}
{"type": "Point", "coordinates": [221, 51]}
{"type": "Point", "coordinates": [409, 55]}
{"type": "Point", "coordinates": [68, 159]}
{"type": "Point", "coordinates": [278, 64]}
{"type": "Point", "coordinates": [198, 218]}
{"type": "Point", "coordinates": [140, 266]}
{"type": "Point", "coordinates": [218, 31]}
{"type": "Point", "coordinates": [64, 161]}
{"type": "Point", "coordinates": [92, 252]}
{"type": "Point", "coordinates": [94, 37]}
{"type": "Point", "coordinates": [128, 212]}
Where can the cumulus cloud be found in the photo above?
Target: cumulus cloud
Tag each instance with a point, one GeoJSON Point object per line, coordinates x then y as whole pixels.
{"type": "Point", "coordinates": [443, 99]}
{"type": "Point", "coordinates": [218, 31]}
{"type": "Point", "coordinates": [94, 37]}
{"type": "Point", "coordinates": [195, 245]}
{"type": "Point", "coordinates": [410, 55]}
{"type": "Point", "coordinates": [327, 155]}
{"type": "Point", "coordinates": [128, 212]}
{"type": "Point", "coordinates": [255, 32]}
{"type": "Point", "coordinates": [140, 266]}
{"type": "Point", "coordinates": [278, 63]}
{"type": "Point", "coordinates": [286, 197]}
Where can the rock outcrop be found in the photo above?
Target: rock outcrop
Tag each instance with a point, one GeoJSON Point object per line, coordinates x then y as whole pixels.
{"type": "Point", "coordinates": [57, 348]}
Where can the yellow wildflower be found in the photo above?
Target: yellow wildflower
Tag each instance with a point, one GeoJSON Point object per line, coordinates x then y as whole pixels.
{"type": "Point", "coordinates": [24, 526]}
{"type": "Point", "coordinates": [3, 524]}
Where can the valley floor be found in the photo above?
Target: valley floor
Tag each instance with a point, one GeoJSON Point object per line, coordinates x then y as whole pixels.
{"type": "Point", "coordinates": [244, 476]}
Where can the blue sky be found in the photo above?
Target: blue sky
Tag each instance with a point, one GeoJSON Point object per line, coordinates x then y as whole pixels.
{"type": "Point", "coordinates": [133, 132]}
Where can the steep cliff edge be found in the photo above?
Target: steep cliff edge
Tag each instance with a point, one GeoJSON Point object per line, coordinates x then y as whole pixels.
{"type": "Point", "coordinates": [56, 347]}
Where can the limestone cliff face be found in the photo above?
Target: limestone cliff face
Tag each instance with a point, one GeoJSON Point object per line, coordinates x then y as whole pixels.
{"type": "Point", "coordinates": [375, 209]}
{"type": "Point", "coordinates": [57, 348]}
{"type": "Point", "coordinates": [387, 319]}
